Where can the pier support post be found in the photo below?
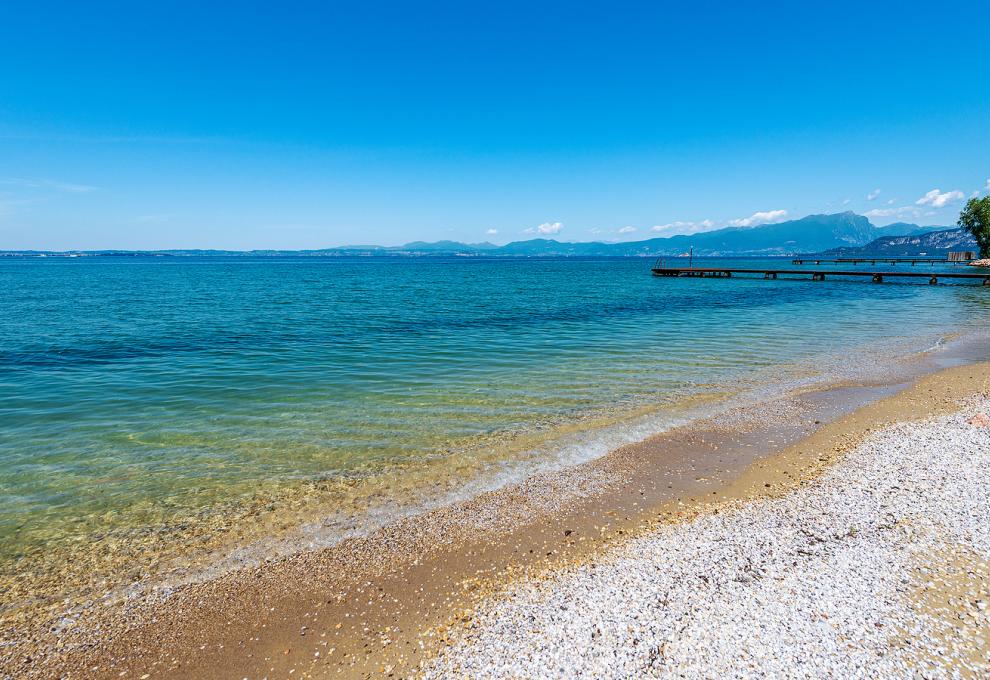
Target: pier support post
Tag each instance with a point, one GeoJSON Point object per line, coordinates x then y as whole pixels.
{"type": "Point", "coordinates": [818, 277]}
{"type": "Point", "coordinates": [877, 278]}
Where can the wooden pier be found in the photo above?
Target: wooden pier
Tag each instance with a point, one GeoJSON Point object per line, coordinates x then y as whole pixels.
{"type": "Point", "coordinates": [816, 275]}
{"type": "Point", "coordinates": [873, 260]}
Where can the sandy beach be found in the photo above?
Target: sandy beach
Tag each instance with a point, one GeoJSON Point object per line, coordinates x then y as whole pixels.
{"type": "Point", "coordinates": [776, 535]}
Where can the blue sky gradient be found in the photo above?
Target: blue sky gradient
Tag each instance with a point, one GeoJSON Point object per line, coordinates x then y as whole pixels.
{"type": "Point", "coordinates": [255, 126]}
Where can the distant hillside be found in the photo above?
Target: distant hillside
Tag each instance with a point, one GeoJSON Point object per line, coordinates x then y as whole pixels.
{"type": "Point", "coordinates": [809, 234]}
{"type": "Point", "coordinates": [812, 233]}
{"type": "Point", "coordinates": [445, 246]}
{"type": "Point", "coordinates": [933, 243]}
{"type": "Point", "coordinates": [908, 229]}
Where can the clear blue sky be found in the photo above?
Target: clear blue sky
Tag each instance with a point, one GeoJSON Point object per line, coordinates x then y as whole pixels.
{"type": "Point", "coordinates": [294, 125]}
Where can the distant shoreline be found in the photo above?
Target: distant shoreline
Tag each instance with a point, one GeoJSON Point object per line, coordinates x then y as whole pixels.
{"type": "Point", "coordinates": [386, 255]}
{"type": "Point", "coordinates": [812, 234]}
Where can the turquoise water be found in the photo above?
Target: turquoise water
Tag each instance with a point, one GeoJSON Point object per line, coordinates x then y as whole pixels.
{"type": "Point", "coordinates": [139, 396]}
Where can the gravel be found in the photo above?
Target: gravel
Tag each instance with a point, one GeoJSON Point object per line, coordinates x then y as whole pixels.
{"type": "Point", "coordinates": [841, 577]}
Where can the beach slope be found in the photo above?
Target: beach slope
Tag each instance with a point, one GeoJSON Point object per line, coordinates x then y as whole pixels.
{"type": "Point", "coordinates": [879, 566]}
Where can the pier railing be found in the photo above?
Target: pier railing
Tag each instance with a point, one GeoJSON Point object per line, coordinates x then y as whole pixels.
{"type": "Point", "coordinates": [811, 259]}
{"type": "Point", "coordinates": [816, 274]}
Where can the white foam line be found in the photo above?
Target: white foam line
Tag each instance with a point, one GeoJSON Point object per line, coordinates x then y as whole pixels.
{"type": "Point", "coordinates": [567, 452]}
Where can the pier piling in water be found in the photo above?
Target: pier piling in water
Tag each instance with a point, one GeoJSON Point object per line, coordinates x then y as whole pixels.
{"type": "Point", "coordinates": [659, 269]}
{"type": "Point", "coordinates": [882, 260]}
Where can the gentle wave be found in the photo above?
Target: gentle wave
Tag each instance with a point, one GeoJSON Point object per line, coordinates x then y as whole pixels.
{"type": "Point", "coordinates": [146, 401]}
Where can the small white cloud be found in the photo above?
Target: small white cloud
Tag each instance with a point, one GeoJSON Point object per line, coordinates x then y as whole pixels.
{"type": "Point", "coordinates": [758, 218]}
{"type": "Point", "coordinates": [491, 232]}
{"type": "Point", "coordinates": [902, 211]}
{"type": "Point", "coordinates": [47, 184]}
{"type": "Point", "coordinates": [892, 201]}
{"type": "Point", "coordinates": [680, 228]}
{"type": "Point", "coordinates": [937, 199]}
{"type": "Point", "coordinates": [546, 228]}
{"type": "Point", "coordinates": [872, 196]}
{"type": "Point", "coordinates": [987, 187]}
{"type": "Point", "coordinates": [627, 230]}
{"type": "Point", "coordinates": [847, 201]}
{"type": "Point", "coordinates": [72, 188]}
{"type": "Point", "coordinates": [881, 212]}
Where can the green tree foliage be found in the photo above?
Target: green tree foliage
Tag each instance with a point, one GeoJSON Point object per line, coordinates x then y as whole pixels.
{"type": "Point", "coordinates": [975, 218]}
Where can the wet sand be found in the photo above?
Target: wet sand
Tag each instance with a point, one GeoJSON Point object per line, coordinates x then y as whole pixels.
{"type": "Point", "coordinates": [382, 604]}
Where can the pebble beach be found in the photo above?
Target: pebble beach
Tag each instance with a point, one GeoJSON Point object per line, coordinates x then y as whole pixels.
{"type": "Point", "coordinates": [879, 567]}
{"type": "Point", "coordinates": [839, 532]}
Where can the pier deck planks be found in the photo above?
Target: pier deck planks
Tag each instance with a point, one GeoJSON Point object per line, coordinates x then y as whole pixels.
{"type": "Point", "coordinates": [816, 275]}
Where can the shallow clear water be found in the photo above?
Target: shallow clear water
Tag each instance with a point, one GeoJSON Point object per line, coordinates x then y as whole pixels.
{"type": "Point", "coordinates": [137, 390]}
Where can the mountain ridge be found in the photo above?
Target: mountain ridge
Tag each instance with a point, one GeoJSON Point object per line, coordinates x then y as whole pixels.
{"type": "Point", "coordinates": [933, 244]}
{"type": "Point", "coordinates": [813, 233]}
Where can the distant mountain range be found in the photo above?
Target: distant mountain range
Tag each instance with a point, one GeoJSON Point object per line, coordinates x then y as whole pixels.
{"type": "Point", "coordinates": [810, 234]}
{"type": "Point", "coordinates": [933, 244]}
